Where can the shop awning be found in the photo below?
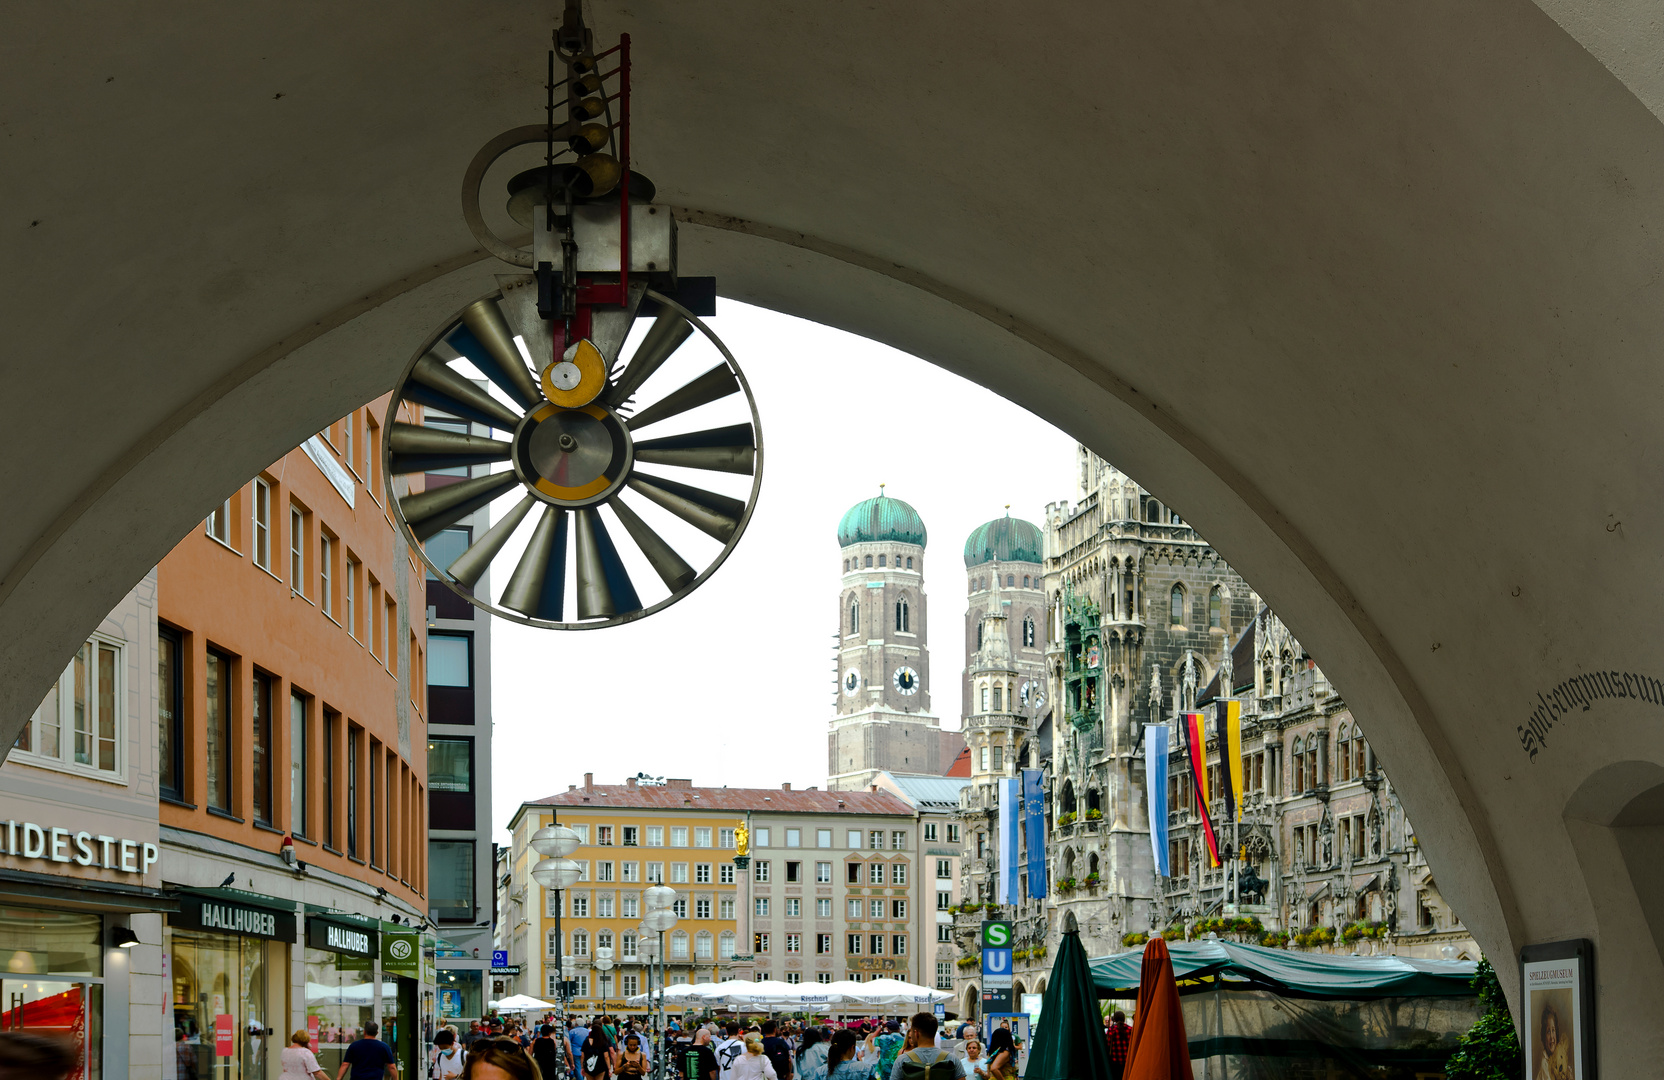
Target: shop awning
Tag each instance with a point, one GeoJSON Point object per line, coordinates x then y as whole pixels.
{"type": "Point", "coordinates": [1205, 965]}
{"type": "Point", "coordinates": [34, 890]}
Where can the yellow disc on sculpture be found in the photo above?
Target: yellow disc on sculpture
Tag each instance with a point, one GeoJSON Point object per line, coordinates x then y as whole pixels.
{"type": "Point", "coordinates": [576, 379]}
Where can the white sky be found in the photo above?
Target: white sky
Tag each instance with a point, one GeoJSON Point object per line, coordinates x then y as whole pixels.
{"type": "Point", "coordinates": [734, 685]}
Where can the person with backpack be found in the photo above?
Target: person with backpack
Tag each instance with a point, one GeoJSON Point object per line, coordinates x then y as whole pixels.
{"type": "Point", "coordinates": [778, 1050]}
{"type": "Point", "coordinates": [597, 1057]}
{"type": "Point", "coordinates": [920, 1059]}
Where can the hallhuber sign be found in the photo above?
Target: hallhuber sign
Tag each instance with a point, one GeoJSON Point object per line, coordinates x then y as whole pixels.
{"type": "Point", "coordinates": [234, 917]}
{"type": "Point", "coordinates": [341, 937]}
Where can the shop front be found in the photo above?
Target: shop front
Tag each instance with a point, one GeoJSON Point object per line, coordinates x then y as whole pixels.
{"type": "Point", "coordinates": [340, 983]}
{"type": "Point", "coordinates": [227, 961]}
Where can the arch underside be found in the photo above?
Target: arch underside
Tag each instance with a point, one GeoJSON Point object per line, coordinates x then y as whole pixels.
{"type": "Point", "coordinates": [1370, 296]}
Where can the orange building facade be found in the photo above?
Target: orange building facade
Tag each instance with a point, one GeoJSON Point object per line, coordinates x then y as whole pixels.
{"type": "Point", "coordinates": [292, 770]}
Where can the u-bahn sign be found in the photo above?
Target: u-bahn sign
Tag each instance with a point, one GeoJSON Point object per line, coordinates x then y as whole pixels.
{"type": "Point", "coordinates": [996, 967]}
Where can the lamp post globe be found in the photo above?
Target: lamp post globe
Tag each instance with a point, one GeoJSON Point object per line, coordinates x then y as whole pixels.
{"type": "Point", "coordinates": [555, 841]}
{"type": "Point", "coordinates": [659, 897]}
{"type": "Point", "coordinates": [660, 920]}
{"type": "Point", "coordinates": [554, 873]}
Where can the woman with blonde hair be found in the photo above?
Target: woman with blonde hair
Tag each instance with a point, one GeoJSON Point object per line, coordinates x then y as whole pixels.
{"type": "Point", "coordinates": [753, 1064]}
{"type": "Point", "coordinates": [976, 1065]}
{"type": "Point", "coordinates": [298, 1060]}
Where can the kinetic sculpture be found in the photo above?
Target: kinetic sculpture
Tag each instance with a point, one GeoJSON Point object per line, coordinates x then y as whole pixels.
{"type": "Point", "coordinates": [570, 350]}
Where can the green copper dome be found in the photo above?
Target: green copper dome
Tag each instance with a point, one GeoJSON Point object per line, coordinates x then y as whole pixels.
{"type": "Point", "coordinates": [1005, 539]}
{"type": "Point", "coordinates": [881, 519]}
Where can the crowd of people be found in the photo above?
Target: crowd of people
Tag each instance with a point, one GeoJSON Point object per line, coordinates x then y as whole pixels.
{"type": "Point", "coordinates": [607, 1048]}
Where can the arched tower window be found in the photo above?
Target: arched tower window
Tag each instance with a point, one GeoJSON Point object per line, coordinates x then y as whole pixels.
{"type": "Point", "coordinates": [854, 615]}
{"type": "Point", "coordinates": [1299, 767]}
{"type": "Point", "coordinates": [1010, 580]}
{"type": "Point", "coordinates": [1175, 605]}
{"type": "Point", "coordinates": [1028, 631]}
{"type": "Point", "coordinates": [846, 566]}
{"type": "Point", "coordinates": [881, 560]}
{"type": "Point", "coordinates": [903, 617]}
{"type": "Point", "coordinates": [869, 560]}
{"type": "Point", "coordinates": [1025, 581]}
{"type": "Point", "coordinates": [909, 562]}
{"type": "Point", "coordinates": [979, 635]}
{"type": "Point", "coordinates": [984, 699]}
{"type": "Point", "coordinates": [1216, 609]}
{"type": "Point", "coordinates": [1152, 511]}
{"type": "Point", "coordinates": [997, 706]}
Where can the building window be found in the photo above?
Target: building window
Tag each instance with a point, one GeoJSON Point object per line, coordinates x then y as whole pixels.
{"type": "Point", "coordinates": [78, 724]}
{"type": "Point", "coordinates": [603, 871]}
{"type": "Point", "coordinates": [875, 873]}
{"type": "Point", "coordinates": [298, 746]}
{"type": "Point", "coordinates": [875, 839]}
{"type": "Point", "coordinates": [852, 873]}
{"type": "Point", "coordinates": [823, 944]}
{"type": "Point", "coordinates": [1175, 605]}
{"type": "Point", "coordinates": [297, 552]}
{"type": "Point", "coordinates": [794, 908]}
{"type": "Point", "coordinates": [702, 873]}
{"type": "Point", "coordinates": [702, 836]}
{"type": "Point", "coordinates": [580, 905]}
{"type": "Point", "coordinates": [854, 615]}
{"type": "Point", "coordinates": [759, 838]}
{"type": "Point", "coordinates": [679, 873]}
{"type": "Point", "coordinates": [854, 838]}
{"type": "Point", "coordinates": [725, 839]}
{"type": "Point", "coordinates": [875, 909]}
{"type": "Point", "coordinates": [261, 743]}
{"type": "Point", "coordinates": [898, 873]}
{"type": "Point", "coordinates": [353, 735]}
{"type": "Point", "coordinates": [219, 523]}
{"type": "Point", "coordinates": [875, 942]}
{"type": "Point", "coordinates": [794, 837]}
{"type": "Point", "coordinates": [760, 868]}
{"type": "Point", "coordinates": [898, 944]}
{"type": "Point", "coordinates": [944, 900]}
{"type": "Point", "coordinates": [725, 908]}
{"type": "Point", "coordinates": [944, 975]}
{"type": "Point", "coordinates": [1216, 616]}
{"type": "Point", "coordinates": [898, 910]}
{"type": "Point", "coordinates": [984, 699]}
{"type": "Point", "coordinates": [680, 907]}
{"type": "Point", "coordinates": [930, 831]}
{"type": "Point", "coordinates": [869, 561]}
{"type": "Point", "coordinates": [823, 873]}
{"type": "Point", "coordinates": [823, 838]}
{"type": "Point", "coordinates": [603, 836]}
{"type": "Point", "coordinates": [702, 946]}
{"type": "Point", "coordinates": [330, 721]}
{"type": "Point", "coordinates": [678, 836]}
{"type": "Point", "coordinates": [853, 945]}
{"type": "Point", "coordinates": [655, 833]}
{"type": "Point", "coordinates": [603, 908]}
{"type": "Point", "coordinates": [326, 559]}
{"type": "Point", "coordinates": [218, 725]}
{"type": "Point", "coordinates": [898, 841]}
{"type": "Point", "coordinates": [725, 945]}
{"type": "Point", "coordinates": [630, 906]}
{"type": "Point", "coordinates": [702, 908]}
{"type": "Point", "coordinates": [794, 943]}
{"type": "Point", "coordinates": [451, 880]}
{"type": "Point", "coordinates": [999, 754]}
{"type": "Point", "coordinates": [762, 907]}
{"type": "Point", "coordinates": [855, 908]}
{"type": "Point", "coordinates": [655, 873]}
{"type": "Point", "coordinates": [823, 908]}
{"type": "Point", "coordinates": [1028, 630]}
{"type": "Point", "coordinates": [725, 874]}
{"type": "Point", "coordinates": [349, 586]}
{"type": "Point", "coordinates": [760, 941]}
{"type": "Point", "coordinates": [262, 525]}
{"type": "Point", "coordinates": [450, 660]}
{"type": "Point", "coordinates": [944, 869]}
{"type": "Point", "coordinates": [580, 942]}
{"type": "Point", "coordinates": [904, 622]}
{"type": "Point", "coordinates": [170, 713]}
{"type": "Point", "coordinates": [794, 873]}
{"type": "Point", "coordinates": [953, 834]}
{"type": "Point", "coordinates": [944, 933]}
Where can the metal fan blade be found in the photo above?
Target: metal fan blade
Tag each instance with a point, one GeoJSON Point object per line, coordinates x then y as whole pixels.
{"type": "Point", "coordinates": [432, 382]}
{"type": "Point", "coordinates": [726, 449]}
{"type": "Point", "coordinates": [429, 511]}
{"type": "Point", "coordinates": [485, 339]}
{"type": "Point", "coordinates": [604, 587]}
{"type": "Point", "coordinates": [668, 332]}
{"type": "Point", "coordinates": [665, 562]}
{"type": "Point", "coordinates": [538, 586]}
{"type": "Point", "coordinates": [714, 385]}
{"type": "Point", "coordinates": [471, 565]}
{"type": "Point", "coordinates": [715, 515]}
{"type": "Point", "coordinates": [421, 449]}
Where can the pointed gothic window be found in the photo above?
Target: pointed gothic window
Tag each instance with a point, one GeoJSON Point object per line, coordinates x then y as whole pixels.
{"type": "Point", "coordinates": [869, 560]}
{"type": "Point", "coordinates": [1010, 580]}
{"type": "Point", "coordinates": [1028, 631]}
{"type": "Point", "coordinates": [984, 699]}
{"type": "Point", "coordinates": [881, 560]}
{"type": "Point", "coordinates": [979, 635]}
{"type": "Point", "coordinates": [1175, 604]}
{"type": "Point", "coordinates": [903, 617]}
{"type": "Point", "coordinates": [997, 707]}
{"type": "Point", "coordinates": [909, 562]}
{"type": "Point", "coordinates": [854, 615]}
{"type": "Point", "coordinates": [1216, 610]}
{"type": "Point", "coordinates": [1025, 581]}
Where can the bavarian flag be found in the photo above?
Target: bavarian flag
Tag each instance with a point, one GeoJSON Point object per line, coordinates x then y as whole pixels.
{"type": "Point", "coordinates": [1228, 730]}
{"type": "Point", "coordinates": [1196, 736]}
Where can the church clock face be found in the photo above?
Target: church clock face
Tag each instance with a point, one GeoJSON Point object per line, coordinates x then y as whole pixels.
{"type": "Point", "coordinates": [1033, 694]}
{"type": "Point", "coordinates": [906, 681]}
{"type": "Point", "coordinates": [852, 682]}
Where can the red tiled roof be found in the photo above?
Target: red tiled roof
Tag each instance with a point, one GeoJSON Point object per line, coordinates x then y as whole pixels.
{"type": "Point", "coordinates": [961, 765]}
{"type": "Point", "coordinates": [684, 796]}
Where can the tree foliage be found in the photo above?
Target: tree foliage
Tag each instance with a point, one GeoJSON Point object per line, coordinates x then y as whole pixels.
{"type": "Point", "coordinates": [1490, 1050]}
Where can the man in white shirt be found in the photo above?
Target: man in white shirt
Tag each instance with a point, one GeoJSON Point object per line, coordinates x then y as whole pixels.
{"type": "Point", "coordinates": [728, 1050]}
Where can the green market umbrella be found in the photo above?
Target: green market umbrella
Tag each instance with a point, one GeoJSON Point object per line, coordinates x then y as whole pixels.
{"type": "Point", "coordinates": [1069, 1043]}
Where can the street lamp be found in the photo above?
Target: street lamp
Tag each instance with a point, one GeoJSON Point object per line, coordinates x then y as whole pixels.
{"type": "Point", "coordinates": [603, 964]}
{"type": "Point", "coordinates": [557, 872]}
{"type": "Point", "coordinates": [661, 916]}
{"type": "Point", "coordinates": [649, 950]}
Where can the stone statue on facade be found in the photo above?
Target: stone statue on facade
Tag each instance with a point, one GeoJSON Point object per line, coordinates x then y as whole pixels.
{"type": "Point", "coordinates": [1189, 679]}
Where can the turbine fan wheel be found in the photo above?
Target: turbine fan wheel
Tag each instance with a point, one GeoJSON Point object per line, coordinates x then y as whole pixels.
{"type": "Point", "coordinates": [572, 459]}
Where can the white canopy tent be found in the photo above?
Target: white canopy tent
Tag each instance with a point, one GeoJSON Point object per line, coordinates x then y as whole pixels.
{"type": "Point", "coordinates": [770, 993]}
{"type": "Point", "coordinates": [520, 1003]}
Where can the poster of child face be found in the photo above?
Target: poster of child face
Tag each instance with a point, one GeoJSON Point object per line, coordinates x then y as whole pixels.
{"type": "Point", "coordinates": [1551, 1020]}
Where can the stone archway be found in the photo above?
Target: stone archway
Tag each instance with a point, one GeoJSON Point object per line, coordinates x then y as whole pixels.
{"type": "Point", "coordinates": [973, 1003]}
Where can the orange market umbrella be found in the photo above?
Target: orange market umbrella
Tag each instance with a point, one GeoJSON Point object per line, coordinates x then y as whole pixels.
{"type": "Point", "coordinates": [1159, 1050]}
